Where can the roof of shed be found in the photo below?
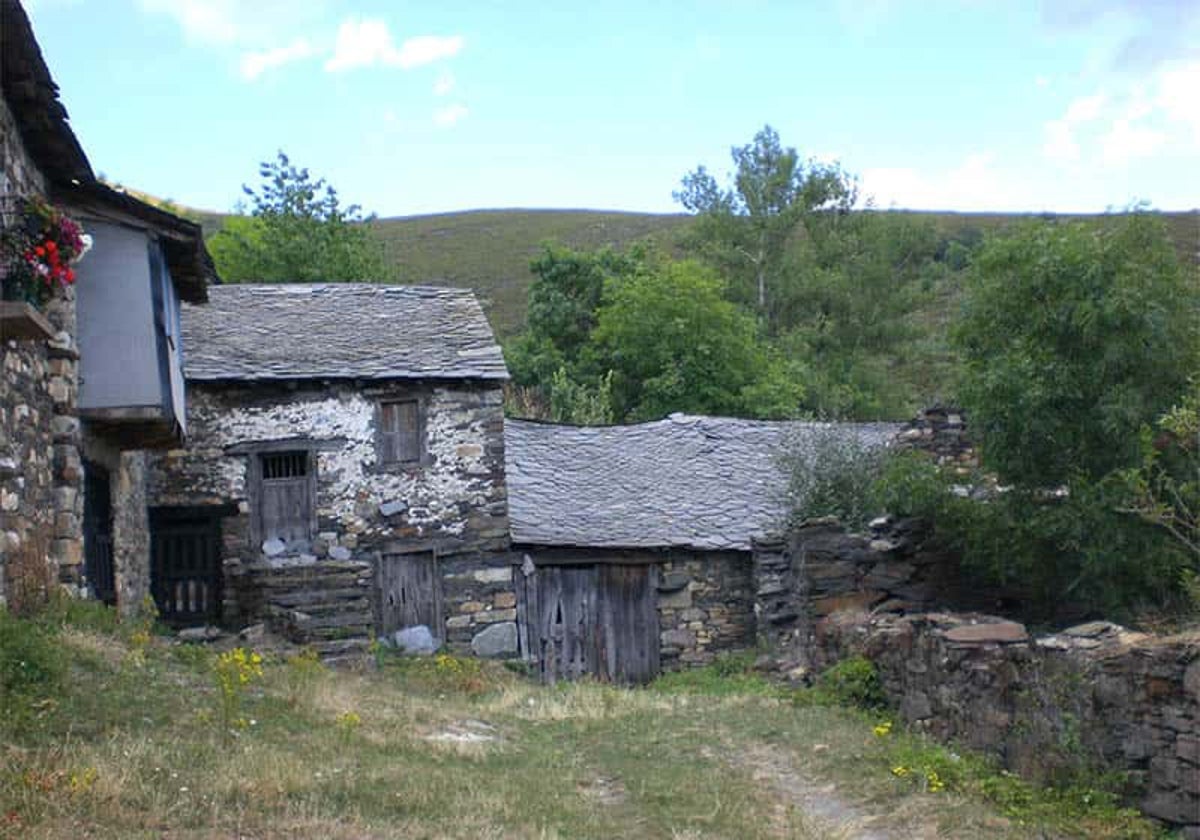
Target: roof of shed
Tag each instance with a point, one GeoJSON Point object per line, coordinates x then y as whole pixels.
{"type": "Point", "coordinates": [699, 482]}
{"type": "Point", "coordinates": [339, 331]}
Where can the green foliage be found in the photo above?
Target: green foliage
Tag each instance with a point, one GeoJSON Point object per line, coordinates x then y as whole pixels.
{"type": "Point", "coordinates": [729, 674]}
{"type": "Point", "coordinates": [745, 228]}
{"type": "Point", "coordinates": [297, 232]}
{"type": "Point", "coordinates": [853, 682]}
{"type": "Point", "coordinates": [1068, 553]}
{"type": "Point", "coordinates": [674, 343]}
{"type": "Point", "coordinates": [636, 336]}
{"type": "Point", "coordinates": [1074, 336]}
{"type": "Point", "coordinates": [833, 474]}
{"type": "Point", "coordinates": [1164, 489]}
{"type": "Point", "coordinates": [32, 666]}
{"type": "Point", "coordinates": [580, 403]}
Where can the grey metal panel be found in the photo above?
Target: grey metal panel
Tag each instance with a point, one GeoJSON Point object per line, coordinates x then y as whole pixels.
{"type": "Point", "coordinates": [172, 348]}
{"type": "Point", "coordinates": [118, 345]}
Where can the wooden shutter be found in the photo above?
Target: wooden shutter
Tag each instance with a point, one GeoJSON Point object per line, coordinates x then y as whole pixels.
{"type": "Point", "coordinates": [400, 432]}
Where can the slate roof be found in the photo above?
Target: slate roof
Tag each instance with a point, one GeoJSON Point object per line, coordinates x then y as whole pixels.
{"type": "Point", "coordinates": [699, 482]}
{"type": "Point", "coordinates": [339, 331]}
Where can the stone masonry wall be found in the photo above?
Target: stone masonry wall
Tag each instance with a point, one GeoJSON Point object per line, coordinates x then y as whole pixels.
{"type": "Point", "coordinates": [820, 568]}
{"type": "Point", "coordinates": [705, 606]}
{"type": "Point", "coordinates": [1095, 695]}
{"type": "Point", "coordinates": [41, 505]}
{"type": "Point", "coordinates": [454, 504]}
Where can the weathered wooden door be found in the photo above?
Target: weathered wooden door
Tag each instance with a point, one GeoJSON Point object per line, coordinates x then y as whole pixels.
{"type": "Point", "coordinates": [409, 593]}
{"type": "Point", "coordinates": [628, 624]}
{"type": "Point", "coordinates": [593, 620]}
{"type": "Point", "coordinates": [566, 622]}
{"type": "Point", "coordinates": [185, 565]}
{"type": "Point", "coordinates": [286, 497]}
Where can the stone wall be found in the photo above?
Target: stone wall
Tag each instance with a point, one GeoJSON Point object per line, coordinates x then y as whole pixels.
{"type": "Point", "coordinates": [453, 504]}
{"type": "Point", "coordinates": [1094, 695]}
{"type": "Point", "coordinates": [41, 505]}
{"type": "Point", "coordinates": [942, 432]}
{"type": "Point", "coordinates": [820, 568]}
{"type": "Point", "coordinates": [705, 606]}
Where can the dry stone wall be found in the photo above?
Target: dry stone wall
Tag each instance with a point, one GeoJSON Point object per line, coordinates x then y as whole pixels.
{"type": "Point", "coordinates": [41, 506]}
{"type": "Point", "coordinates": [1095, 695]}
{"type": "Point", "coordinates": [705, 606]}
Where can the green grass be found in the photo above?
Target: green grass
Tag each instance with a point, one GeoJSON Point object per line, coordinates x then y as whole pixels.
{"type": "Point", "coordinates": [130, 745]}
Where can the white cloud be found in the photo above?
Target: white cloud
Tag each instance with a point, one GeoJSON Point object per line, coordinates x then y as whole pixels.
{"type": "Point", "coordinates": [450, 115]}
{"type": "Point", "coordinates": [1060, 134]}
{"type": "Point", "coordinates": [254, 64]}
{"type": "Point", "coordinates": [444, 84]}
{"type": "Point", "coordinates": [1125, 140]}
{"type": "Point", "coordinates": [362, 43]}
{"type": "Point", "coordinates": [974, 184]}
{"type": "Point", "coordinates": [212, 21]}
{"type": "Point", "coordinates": [1179, 96]}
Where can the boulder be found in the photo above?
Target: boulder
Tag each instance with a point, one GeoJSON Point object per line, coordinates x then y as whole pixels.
{"type": "Point", "coordinates": [498, 640]}
{"type": "Point", "coordinates": [416, 641]}
{"type": "Point", "coordinates": [274, 547]}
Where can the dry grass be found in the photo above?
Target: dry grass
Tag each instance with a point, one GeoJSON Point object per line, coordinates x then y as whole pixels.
{"type": "Point", "coordinates": [131, 750]}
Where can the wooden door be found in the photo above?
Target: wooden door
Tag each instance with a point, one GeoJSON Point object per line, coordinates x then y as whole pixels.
{"type": "Point", "coordinates": [409, 593]}
{"type": "Point", "coordinates": [185, 565]}
{"type": "Point", "coordinates": [286, 497]}
{"type": "Point", "coordinates": [599, 621]}
{"type": "Point", "coordinates": [628, 624]}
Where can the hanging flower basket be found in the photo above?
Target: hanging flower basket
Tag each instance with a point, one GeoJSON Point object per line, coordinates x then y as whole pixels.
{"type": "Point", "coordinates": [37, 252]}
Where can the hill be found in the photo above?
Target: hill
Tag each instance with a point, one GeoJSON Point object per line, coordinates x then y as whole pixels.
{"type": "Point", "coordinates": [490, 250]}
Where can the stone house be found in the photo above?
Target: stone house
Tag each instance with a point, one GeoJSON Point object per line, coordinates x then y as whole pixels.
{"type": "Point", "coordinates": [92, 379]}
{"type": "Point", "coordinates": [638, 542]}
{"type": "Point", "coordinates": [345, 468]}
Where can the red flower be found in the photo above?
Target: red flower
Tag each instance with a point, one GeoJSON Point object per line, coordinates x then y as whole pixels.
{"type": "Point", "coordinates": [40, 251]}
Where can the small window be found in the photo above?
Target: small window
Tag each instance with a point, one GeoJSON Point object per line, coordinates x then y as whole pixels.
{"type": "Point", "coordinates": [285, 465]}
{"type": "Point", "coordinates": [400, 432]}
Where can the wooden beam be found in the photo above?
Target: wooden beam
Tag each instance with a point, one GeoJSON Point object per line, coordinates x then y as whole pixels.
{"type": "Point", "coordinates": [22, 322]}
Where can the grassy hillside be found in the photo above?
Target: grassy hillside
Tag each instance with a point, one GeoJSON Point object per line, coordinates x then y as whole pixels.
{"type": "Point", "coordinates": [489, 250]}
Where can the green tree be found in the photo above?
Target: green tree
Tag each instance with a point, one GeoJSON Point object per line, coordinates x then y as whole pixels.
{"type": "Point", "coordinates": [673, 343]}
{"type": "Point", "coordinates": [297, 231]}
{"type": "Point", "coordinates": [744, 228]}
{"type": "Point", "coordinates": [1074, 336]}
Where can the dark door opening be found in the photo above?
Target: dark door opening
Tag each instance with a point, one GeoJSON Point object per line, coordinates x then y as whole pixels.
{"type": "Point", "coordinates": [98, 534]}
{"type": "Point", "coordinates": [185, 565]}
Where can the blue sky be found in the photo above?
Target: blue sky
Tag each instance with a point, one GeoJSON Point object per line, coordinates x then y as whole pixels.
{"type": "Point", "coordinates": [1063, 105]}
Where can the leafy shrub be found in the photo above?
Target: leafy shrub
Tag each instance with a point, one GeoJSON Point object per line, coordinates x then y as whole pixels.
{"type": "Point", "coordinates": [832, 473]}
{"type": "Point", "coordinates": [853, 682]}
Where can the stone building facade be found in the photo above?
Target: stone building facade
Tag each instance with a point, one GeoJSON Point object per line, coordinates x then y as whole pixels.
{"type": "Point", "coordinates": [377, 413]}
{"type": "Point", "coordinates": [47, 439]}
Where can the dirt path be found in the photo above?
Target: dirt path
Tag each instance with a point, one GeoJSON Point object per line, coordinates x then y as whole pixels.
{"type": "Point", "coordinates": [825, 811]}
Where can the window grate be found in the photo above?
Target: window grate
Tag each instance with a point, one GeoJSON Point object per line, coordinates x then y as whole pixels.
{"type": "Point", "coordinates": [285, 465]}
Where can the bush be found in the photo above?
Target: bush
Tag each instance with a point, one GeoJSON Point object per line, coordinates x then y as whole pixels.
{"type": "Point", "coordinates": [853, 682]}
{"type": "Point", "coordinates": [832, 473]}
{"type": "Point", "coordinates": [1066, 553]}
